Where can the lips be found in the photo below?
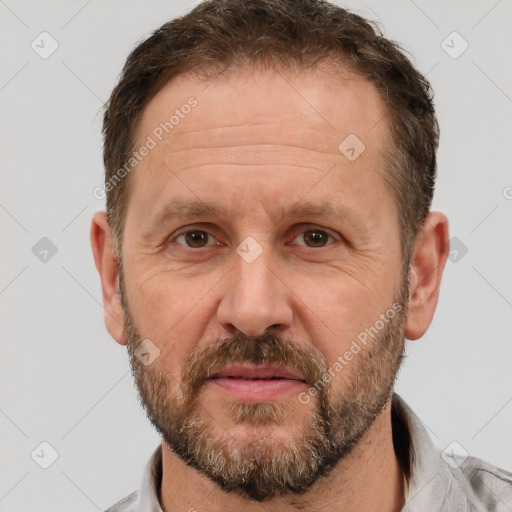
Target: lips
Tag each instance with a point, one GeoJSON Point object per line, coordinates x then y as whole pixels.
{"type": "Point", "coordinates": [260, 372]}
{"type": "Point", "coordinates": [251, 383]}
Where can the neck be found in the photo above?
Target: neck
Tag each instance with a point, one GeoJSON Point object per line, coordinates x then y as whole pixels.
{"type": "Point", "coordinates": [369, 478]}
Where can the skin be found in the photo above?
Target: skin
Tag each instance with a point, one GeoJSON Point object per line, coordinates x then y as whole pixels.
{"type": "Point", "coordinates": [256, 143]}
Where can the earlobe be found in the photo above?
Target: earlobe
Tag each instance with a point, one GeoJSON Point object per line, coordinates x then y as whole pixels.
{"type": "Point", "coordinates": [429, 258]}
{"type": "Point", "coordinates": [107, 266]}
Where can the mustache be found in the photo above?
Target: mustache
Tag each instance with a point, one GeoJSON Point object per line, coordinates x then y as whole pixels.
{"type": "Point", "coordinates": [257, 350]}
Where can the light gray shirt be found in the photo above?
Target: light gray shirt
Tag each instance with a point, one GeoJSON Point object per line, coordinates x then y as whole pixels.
{"type": "Point", "coordinates": [438, 482]}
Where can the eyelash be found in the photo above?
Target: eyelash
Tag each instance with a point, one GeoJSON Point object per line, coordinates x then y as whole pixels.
{"type": "Point", "coordinates": [307, 228]}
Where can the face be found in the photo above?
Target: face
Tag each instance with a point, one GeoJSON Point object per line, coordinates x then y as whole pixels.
{"type": "Point", "coordinates": [261, 272]}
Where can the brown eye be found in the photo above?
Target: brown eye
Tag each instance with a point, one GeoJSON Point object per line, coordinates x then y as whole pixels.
{"type": "Point", "coordinates": [315, 237]}
{"type": "Point", "coordinates": [195, 239]}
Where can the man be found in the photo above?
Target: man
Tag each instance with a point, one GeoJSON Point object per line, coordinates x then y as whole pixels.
{"type": "Point", "coordinates": [268, 246]}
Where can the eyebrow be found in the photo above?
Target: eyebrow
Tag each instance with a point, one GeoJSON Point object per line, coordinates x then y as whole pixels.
{"type": "Point", "coordinates": [181, 209]}
{"type": "Point", "coordinates": [325, 209]}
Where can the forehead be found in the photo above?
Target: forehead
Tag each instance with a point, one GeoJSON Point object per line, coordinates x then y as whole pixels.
{"type": "Point", "coordinates": [269, 121]}
{"type": "Point", "coordinates": [328, 96]}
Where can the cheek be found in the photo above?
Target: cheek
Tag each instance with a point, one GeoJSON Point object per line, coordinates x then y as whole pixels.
{"type": "Point", "coordinates": [172, 313]}
{"type": "Point", "coordinates": [338, 314]}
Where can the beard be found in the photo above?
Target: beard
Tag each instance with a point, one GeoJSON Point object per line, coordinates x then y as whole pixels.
{"type": "Point", "coordinates": [264, 464]}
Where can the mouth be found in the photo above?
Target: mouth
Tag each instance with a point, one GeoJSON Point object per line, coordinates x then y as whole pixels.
{"type": "Point", "coordinates": [256, 383]}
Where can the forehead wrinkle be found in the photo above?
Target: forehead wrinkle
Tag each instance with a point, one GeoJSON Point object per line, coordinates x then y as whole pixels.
{"type": "Point", "coordinates": [247, 144]}
{"type": "Point", "coordinates": [250, 132]}
{"type": "Point", "coordinates": [247, 156]}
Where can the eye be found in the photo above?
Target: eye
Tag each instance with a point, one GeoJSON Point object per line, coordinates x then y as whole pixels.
{"type": "Point", "coordinates": [198, 238]}
{"type": "Point", "coordinates": [314, 237]}
{"type": "Point", "coordinates": [195, 239]}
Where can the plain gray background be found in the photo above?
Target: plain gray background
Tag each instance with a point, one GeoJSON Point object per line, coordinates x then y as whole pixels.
{"type": "Point", "coordinates": [64, 381]}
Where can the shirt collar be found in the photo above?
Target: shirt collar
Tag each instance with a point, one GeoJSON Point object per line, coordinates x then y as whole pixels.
{"type": "Point", "coordinates": [429, 476]}
{"type": "Point", "coordinates": [150, 485]}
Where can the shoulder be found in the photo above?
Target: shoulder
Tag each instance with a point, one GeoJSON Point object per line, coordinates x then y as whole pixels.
{"type": "Point", "coordinates": [127, 504]}
{"type": "Point", "coordinates": [490, 487]}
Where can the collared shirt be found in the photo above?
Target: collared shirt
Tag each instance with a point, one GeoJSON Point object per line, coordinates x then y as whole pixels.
{"type": "Point", "coordinates": [438, 481]}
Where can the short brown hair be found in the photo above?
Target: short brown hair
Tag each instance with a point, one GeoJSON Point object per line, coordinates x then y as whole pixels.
{"type": "Point", "coordinates": [282, 33]}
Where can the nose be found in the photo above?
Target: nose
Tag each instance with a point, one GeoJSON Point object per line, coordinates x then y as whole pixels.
{"type": "Point", "coordinates": [255, 299]}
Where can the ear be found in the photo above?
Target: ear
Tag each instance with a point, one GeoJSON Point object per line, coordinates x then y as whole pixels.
{"type": "Point", "coordinates": [106, 263]}
{"type": "Point", "coordinates": [429, 258]}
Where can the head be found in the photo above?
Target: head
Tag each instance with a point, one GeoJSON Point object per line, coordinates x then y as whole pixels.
{"type": "Point", "coordinates": [270, 167]}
